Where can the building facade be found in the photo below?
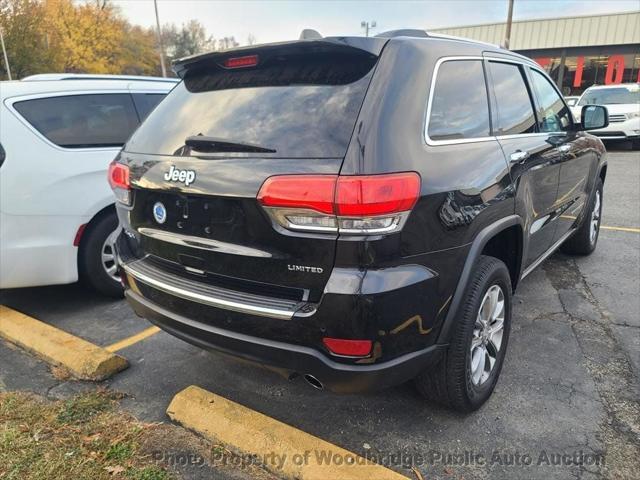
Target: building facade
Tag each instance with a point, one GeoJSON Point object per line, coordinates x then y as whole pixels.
{"type": "Point", "coordinates": [577, 52]}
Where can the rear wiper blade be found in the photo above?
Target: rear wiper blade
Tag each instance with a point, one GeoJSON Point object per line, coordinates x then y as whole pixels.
{"type": "Point", "coordinates": [203, 143]}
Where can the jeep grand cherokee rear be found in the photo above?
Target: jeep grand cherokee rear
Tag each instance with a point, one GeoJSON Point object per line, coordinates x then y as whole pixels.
{"type": "Point", "coordinates": [287, 204]}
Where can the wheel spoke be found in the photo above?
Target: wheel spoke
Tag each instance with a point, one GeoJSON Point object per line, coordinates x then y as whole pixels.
{"type": "Point", "coordinates": [477, 364]}
{"type": "Point", "coordinates": [112, 270]}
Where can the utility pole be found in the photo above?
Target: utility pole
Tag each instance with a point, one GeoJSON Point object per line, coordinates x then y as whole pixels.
{"type": "Point", "coordinates": [507, 35]}
{"type": "Point", "coordinates": [4, 52]}
{"type": "Point", "coordinates": [368, 26]}
{"type": "Point", "coordinates": [160, 42]}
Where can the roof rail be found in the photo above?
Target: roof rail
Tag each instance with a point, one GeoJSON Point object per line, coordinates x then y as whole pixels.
{"type": "Point", "coordinates": [463, 39]}
{"type": "Point", "coordinates": [84, 76]}
{"type": "Point", "coordinates": [309, 34]}
{"type": "Point", "coordinates": [404, 32]}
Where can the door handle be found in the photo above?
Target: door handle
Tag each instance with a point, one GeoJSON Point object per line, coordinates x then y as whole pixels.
{"type": "Point", "coordinates": [564, 148]}
{"type": "Point", "coordinates": [519, 156]}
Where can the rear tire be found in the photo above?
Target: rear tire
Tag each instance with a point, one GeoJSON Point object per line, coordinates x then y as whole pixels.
{"type": "Point", "coordinates": [467, 374]}
{"type": "Point", "coordinates": [92, 265]}
{"type": "Point", "coordinates": [585, 240]}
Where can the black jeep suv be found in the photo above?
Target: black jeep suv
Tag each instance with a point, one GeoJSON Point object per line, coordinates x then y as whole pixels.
{"type": "Point", "coordinates": [355, 210]}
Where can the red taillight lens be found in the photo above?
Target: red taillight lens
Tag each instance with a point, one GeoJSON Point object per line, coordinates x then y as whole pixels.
{"type": "Point", "coordinates": [315, 192]}
{"type": "Point", "coordinates": [357, 205]}
{"type": "Point", "coordinates": [119, 175]}
{"type": "Point", "coordinates": [361, 196]}
{"type": "Point", "coordinates": [348, 348]}
{"type": "Point", "coordinates": [119, 181]}
{"type": "Point", "coordinates": [240, 62]}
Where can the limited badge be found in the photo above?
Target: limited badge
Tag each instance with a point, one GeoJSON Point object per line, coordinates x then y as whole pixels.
{"type": "Point", "coordinates": [159, 212]}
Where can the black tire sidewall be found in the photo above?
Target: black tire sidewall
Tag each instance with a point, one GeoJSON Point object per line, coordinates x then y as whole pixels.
{"type": "Point", "coordinates": [90, 265]}
{"type": "Point", "coordinates": [492, 272]}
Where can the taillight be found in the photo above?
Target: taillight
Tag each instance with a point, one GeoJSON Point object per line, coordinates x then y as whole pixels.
{"type": "Point", "coordinates": [119, 181]}
{"type": "Point", "coordinates": [358, 204]}
{"type": "Point", "coordinates": [348, 348]}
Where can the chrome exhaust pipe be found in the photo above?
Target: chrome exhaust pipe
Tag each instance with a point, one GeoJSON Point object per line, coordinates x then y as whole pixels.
{"type": "Point", "coordinates": [313, 381]}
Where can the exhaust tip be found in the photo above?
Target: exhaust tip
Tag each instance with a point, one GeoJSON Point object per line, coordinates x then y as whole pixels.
{"type": "Point", "coordinates": [313, 381]}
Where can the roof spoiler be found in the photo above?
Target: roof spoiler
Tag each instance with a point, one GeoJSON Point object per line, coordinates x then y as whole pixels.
{"type": "Point", "coordinates": [313, 43]}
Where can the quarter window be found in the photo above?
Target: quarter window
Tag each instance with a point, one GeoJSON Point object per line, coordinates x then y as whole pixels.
{"type": "Point", "coordinates": [459, 108]}
{"type": "Point", "coordinates": [553, 115]}
{"type": "Point", "coordinates": [514, 112]}
{"type": "Point", "coordinates": [82, 121]}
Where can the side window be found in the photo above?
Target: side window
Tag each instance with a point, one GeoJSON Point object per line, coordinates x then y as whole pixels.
{"type": "Point", "coordinates": [459, 108]}
{"type": "Point", "coordinates": [554, 116]}
{"type": "Point", "coordinates": [514, 111]}
{"type": "Point", "coordinates": [82, 121]}
{"type": "Point", "coordinates": [145, 102]}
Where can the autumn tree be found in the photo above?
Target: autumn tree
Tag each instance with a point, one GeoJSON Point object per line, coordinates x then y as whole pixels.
{"type": "Point", "coordinates": [84, 37]}
{"type": "Point", "coordinates": [189, 39]}
{"type": "Point", "coordinates": [139, 55]}
{"type": "Point", "coordinates": [21, 22]}
{"type": "Point", "coordinates": [91, 36]}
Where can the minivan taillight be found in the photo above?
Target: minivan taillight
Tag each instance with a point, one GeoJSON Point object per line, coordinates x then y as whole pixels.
{"type": "Point", "coordinates": [353, 204]}
{"type": "Point", "coordinates": [119, 181]}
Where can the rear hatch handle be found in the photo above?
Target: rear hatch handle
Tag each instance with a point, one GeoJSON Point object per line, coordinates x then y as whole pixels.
{"type": "Point", "coordinates": [203, 143]}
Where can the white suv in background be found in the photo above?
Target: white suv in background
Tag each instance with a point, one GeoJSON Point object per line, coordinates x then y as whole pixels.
{"type": "Point", "coordinates": [58, 134]}
{"type": "Point", "coordinates": [623, 103]}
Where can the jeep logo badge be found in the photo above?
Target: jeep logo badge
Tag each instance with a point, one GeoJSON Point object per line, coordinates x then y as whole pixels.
{"type": "Point", "coordinates": [159, 212]}
{"type": "Point", "coordinates": [184, 176]}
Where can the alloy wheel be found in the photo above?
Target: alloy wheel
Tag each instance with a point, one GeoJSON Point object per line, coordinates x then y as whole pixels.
{"type": "Point", "coordinates": [487, 335]}
{"type": "Point", "coordinates": [595, 218]}
{"type": "Point", "coordinates": [108, 258]}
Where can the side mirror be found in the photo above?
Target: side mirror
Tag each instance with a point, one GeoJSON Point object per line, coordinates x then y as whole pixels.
{"type": "Point", "coordinates": [594, 117]}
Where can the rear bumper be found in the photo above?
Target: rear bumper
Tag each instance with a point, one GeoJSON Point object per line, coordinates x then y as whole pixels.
{"type": "Point", "coordinates": [338, 377]}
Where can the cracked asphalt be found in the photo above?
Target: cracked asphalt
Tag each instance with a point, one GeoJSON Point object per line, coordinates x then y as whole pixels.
{"type": "Point", "coordinates": [566, 406]}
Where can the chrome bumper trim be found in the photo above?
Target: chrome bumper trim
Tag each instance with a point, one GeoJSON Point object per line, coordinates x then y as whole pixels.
{"type": "Point", "coordinates": [142, 271]}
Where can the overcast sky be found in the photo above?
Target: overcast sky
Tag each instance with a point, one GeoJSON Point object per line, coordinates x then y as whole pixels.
{"type": "Point", "coordinates": [271, 21]}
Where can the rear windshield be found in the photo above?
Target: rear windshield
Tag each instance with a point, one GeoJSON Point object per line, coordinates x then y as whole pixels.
{"type": "Point", "coordinates": [304, 107]}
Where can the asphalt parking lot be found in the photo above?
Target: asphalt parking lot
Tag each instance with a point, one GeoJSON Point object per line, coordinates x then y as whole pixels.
{"type": "Point", "coordinates": [570, 384]}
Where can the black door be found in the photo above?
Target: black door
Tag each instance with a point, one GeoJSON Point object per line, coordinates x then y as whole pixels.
{"type": "Point", "coordinates": [577, 161]}
{"type": "Point", "coordinates": [533, 156]}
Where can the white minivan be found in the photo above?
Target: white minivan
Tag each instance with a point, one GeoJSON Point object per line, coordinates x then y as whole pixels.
{"type": "Point", "coordinates": [58, 134]}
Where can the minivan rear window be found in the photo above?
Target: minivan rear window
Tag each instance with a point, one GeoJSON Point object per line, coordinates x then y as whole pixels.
{"type": "Point", "coordinates": [303, 107]}
{"type": "Point", "coordinates": [82, 121]}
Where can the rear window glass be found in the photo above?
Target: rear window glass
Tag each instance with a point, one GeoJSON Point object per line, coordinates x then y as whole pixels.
{"type": "Point", "coordinates": [82, 121]}
{"type": "Point", "coordinates": [514, 111]}
{"type": "Point", "coordinates": [301, 108]}
{"type": "Point", "coordinates": [459, 107]}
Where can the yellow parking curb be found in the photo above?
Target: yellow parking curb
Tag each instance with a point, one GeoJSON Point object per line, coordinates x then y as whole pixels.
{"type": "Point", "coordinates": [280, 447]}
{"type": "Point", "coordinates": [83, 359]}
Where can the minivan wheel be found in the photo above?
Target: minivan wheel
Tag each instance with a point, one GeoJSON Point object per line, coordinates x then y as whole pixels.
{"type": "Point", "coordinates": [96, 258]}
{"type": "Point", "coordinates": [585, 239]}
{"type": "Point", "coordinates": [467, 374]}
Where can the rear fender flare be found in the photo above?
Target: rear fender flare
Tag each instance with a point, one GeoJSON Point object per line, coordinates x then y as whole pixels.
{"type": "Point", "coordinates": [475, 251]}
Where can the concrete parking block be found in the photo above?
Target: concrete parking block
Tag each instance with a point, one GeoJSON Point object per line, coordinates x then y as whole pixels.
{"type": "Point", "coordinates": [83, 359]}
{"type": "Point", "coordinates": [280, 447]}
